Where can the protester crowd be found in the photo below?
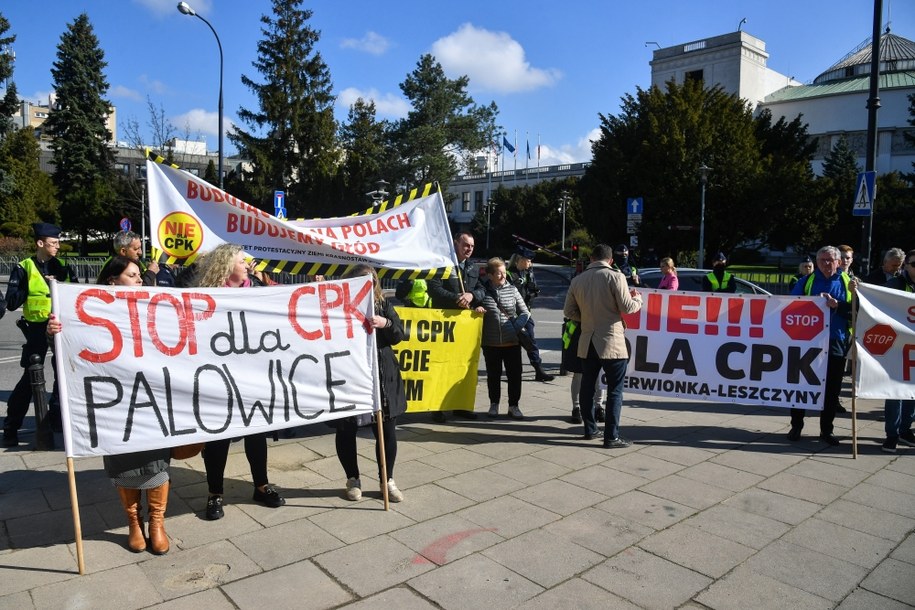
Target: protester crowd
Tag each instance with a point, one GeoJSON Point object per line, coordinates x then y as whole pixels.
{"type": "Point", "coordinates": [593, 344]}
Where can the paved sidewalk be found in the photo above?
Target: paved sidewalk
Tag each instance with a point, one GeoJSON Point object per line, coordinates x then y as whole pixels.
{"type": "Point", "coordinates": [711, 508]}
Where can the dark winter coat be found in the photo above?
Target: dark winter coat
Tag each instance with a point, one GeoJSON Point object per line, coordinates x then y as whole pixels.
{"type": "Point", "coordinates": [393, 397]}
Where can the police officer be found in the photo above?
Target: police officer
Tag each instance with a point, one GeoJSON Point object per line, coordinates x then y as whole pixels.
{"type": "Point", "coordinates": [521, 275]}
{"type": "Point", "coordinates": [28, 288]}
{"type": "Point", "coordinates": [621, 263]}
{"type": "Point", "coordinates": [719, 280]}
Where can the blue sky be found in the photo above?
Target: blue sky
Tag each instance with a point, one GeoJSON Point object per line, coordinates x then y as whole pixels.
{"type": "Point", "coordinates": [551, 67]}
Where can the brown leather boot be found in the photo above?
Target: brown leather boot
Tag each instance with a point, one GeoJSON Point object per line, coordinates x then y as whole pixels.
{"type": "Point", "coordinates": [157, 499]}
{"type": "Point", "coordinates": [130, 498]}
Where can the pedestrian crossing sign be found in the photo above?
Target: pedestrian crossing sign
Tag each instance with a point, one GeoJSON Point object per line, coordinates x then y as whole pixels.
{"type": "Point", "coordinates": [865, 192]}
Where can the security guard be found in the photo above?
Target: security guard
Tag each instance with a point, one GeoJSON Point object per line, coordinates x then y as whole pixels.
{"type": "Point", "coordinates": [719, 280]}
{"type": "Point", "coordinates": [28, 288]}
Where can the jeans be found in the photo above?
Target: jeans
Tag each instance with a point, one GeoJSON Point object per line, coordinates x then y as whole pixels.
{"type": "Point", "coordinates": [534, 354]}
{"type": "Point", "coordinates": [899, 416]}
{"type": "Point", "coordinates": [615, 370]}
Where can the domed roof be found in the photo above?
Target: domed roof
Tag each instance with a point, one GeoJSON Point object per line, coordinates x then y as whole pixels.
{"type": "Point", "coordinates": [897, 54]}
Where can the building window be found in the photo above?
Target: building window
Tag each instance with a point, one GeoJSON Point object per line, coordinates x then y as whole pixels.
{"type": "Point", "coordinates": [41, 115]}
{"type": "Point", "coordinates": [465, 201]}
{"type": "Point", "coordinates": [477, 201]}
{"type": "Point", "coordinates": [694, 75]}
{"type": "Point", "coordinates": [123, 168]}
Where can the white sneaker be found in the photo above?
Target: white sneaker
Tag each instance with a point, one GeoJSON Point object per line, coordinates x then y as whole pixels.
{"type": "Point", "coordinates": [493, 410]}
{"type": "Point", "coordinates": [353, 489]}
{"type": "Point", "coordinates": [394, 494]}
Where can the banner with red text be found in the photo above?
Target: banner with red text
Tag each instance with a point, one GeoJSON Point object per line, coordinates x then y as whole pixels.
{"type": "Point", "coordinates": [746, 349]}
{"type": "Point", "coordinates": [189, 216]}
{"type": "Point", "coordinates": [885, 343]}
{"type": "Point", "coordinates": [143, 368]}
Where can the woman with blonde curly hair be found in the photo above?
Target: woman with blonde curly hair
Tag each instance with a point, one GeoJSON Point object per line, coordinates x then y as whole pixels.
{"type": "Point", "coordinates": [225, 266]}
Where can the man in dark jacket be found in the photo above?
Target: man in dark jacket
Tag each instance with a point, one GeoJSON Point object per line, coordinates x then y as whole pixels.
{"type": "Point", "coordinates": [129, 244]}
{"type": "Point", "coordinates": [521, 276]}
{"type": "Point", "coordinates": [719, 280]}
{"type": "Point", "coordinates": [462, 290]}
{"type": "Point", "coordinates": [28, 288]}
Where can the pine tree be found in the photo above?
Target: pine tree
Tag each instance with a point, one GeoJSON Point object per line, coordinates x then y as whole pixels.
{"type": "Point", "coordinates": [444, 129]}
{"type": "Point", "coordinates": [363, 140]}
{"type": "Point", "coordinates": [10, 101]}
{"type": "Point", "coordinates": [83, 162]}
{"type": "Point", "coordinates": [26, 193]}
{"type": "Point", "coordinates": [292, 138]}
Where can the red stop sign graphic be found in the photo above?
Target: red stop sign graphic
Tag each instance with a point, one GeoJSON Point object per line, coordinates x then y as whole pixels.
{"type": "Point", "coordinates": [803, 320]}
{"type": "Point", "coordinates": [879, 339]}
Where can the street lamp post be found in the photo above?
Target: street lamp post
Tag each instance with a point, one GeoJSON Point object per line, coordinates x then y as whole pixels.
{"type": "Point", "coordinates": [703, 179]}
{"type": "Point", "coordinates": [185, 9]}
{"type": "Point", "coordinates": [563, 206]}
{"type": "Point", "coordinates": [142, 183]}
{"type": "Point", "coordinates": [489, 205]}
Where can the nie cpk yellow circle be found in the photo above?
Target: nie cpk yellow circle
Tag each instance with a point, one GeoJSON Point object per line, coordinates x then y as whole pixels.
{"type": "Point", "coordinates": [180, 235]}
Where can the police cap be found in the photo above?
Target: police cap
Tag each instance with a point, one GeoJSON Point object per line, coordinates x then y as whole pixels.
{"type": "Point", "coordinates": [45, 229]}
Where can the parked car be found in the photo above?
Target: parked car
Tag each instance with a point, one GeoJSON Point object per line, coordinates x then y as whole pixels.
{"type": "Point", "coordinates": [691, 279]}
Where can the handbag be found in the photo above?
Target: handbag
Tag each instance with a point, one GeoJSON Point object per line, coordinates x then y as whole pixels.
{"type": "Point", "coordinates": [185, 452]}
{"type": "Point", "coordinates": [524, 337]}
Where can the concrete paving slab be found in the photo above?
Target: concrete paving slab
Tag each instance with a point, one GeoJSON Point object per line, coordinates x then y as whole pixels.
{"type": "Point", "coordinates": [862, 599]}
{"type": "Point", "coordinates": [772, 505]}
{"type": "Point", "coordinates": [528, 469]}
{"type": "Point", "coordinates": [475, 582]}
{"type": "Point", "coordinates": [508, 516]}
{"type": "Point", "coordinates": [893, 579]}
{"type": "Point", "coordinates": [121, 588]}
{"type": "Point", "coordinates": [746, 528]}
{"type": "Point", "coordinates": [644, 465]}
{"type": "Point", "coordinates": [543, 557]}
{"type": "Point", "coordinates": [446, 538]}
{"type": "Point", "coordinates": [679, 454]}
{"type": "Point", "coordinates": [579, 594]}
{"type": "Point", "coordinates": [744, 588]}
{"type": "Point", "coordinates": [893, 480]}
{"type": "Point", "coordinates": [657, 513]}
{"type": "Point", "coordinates": [296, 586]}
{"type": "Point", "coordinates": [270, 547]}
{"type": "Point", "coordinates": [840, 542]}
{"type": "Point", "coordinates": [457, 461]}
{"type": "Point", "coordinates": [400, 598]}
{"type": "Point", "coordinates": [29, 568]}
{"type": "Point", "coordinates": [829, 472]}
{"type": "Point", "coordinates": [725, 477]}
{"type": "Point", "coordinates": [809, 489]}
{"type": "Point", "coordinates": [429, 501]}
{"type": "Point", "coordinates": [765, 463]}
{"type": "Point", "coordinates": [183, 572]}
{"type": "Point", "coordinates": [867, 519]}
{"type": "Point", "coordinates": [697, 549]}
{"type": "Point", "coordinates": [604, 480]}
{"type": "Point", "coordinates": [572, 459]}
{"type": "Point", "coordinates": [480, 485]}
{"type": "Point", "coordinates": [360, 520]}
{"type": "Point", "coordinates": [906, 550]}
{"type": "Point", "coordinates": [891, 500]}
{"type": "Point", "coordinates": [646, 580]}
{"type": "Point", "coordinates": [599, 531]}
{"type": "Point", "coordinates": [211, 599]}
{"type": "Point", "coordinates": [687, 491]}
{"type": "Point", "coordinates": [559, 496]}
{"type": "Point", "coordinates": [806, 569]}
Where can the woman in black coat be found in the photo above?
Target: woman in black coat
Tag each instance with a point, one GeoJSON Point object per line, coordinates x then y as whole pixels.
{"type": "Point", "coordinates": [389, 331]}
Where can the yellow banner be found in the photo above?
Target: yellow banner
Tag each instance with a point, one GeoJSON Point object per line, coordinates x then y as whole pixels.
{"type": "Point", "coordinates": [439, 358]}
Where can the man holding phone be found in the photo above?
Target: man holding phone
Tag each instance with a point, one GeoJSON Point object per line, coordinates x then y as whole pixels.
{"type": "Point", "coordinates": [829, 283]}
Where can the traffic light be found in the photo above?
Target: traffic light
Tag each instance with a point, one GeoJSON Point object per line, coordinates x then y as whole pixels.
{"type": "Point", "coordinates": [574, 251]}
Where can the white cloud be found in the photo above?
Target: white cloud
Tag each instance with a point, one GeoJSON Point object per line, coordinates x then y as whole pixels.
{"type": "Point", "coordinates": [162, 8]}
{"type": "Point", "coordinates": [199, 121]}
{"type": "Point", "coordinates": [372, 42]}
{"type": "Point", "coordinates": [388, 105]}
{"type": "Point", "coordinates": [580, 152]}
{"type": "Point", "coordinates": [494, 61]}
{"type": "Point", "coordinates": [41, 97]}
{"type": "Point", "coordinates": [152, 85]}
{"type": "Point", "coordinates": [126, 92]}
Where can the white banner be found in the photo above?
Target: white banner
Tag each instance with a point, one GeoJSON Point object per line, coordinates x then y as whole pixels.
{"type": "Point", "coordinates": [746, 349]}
{"type": "Point", "coordinates": [189, 216]}
{"type": "Point", "coordinates": [144, 368]}
{"type": "Point", "coordinates": [885, 343]}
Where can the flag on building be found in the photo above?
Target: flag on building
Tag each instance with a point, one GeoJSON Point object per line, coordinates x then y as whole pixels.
{"type": "Point", "coordinates": [508, 145]}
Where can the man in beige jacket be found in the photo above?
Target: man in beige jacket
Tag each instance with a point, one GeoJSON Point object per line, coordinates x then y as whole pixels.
{"type": "Point", "coordinates": [598, 298]}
